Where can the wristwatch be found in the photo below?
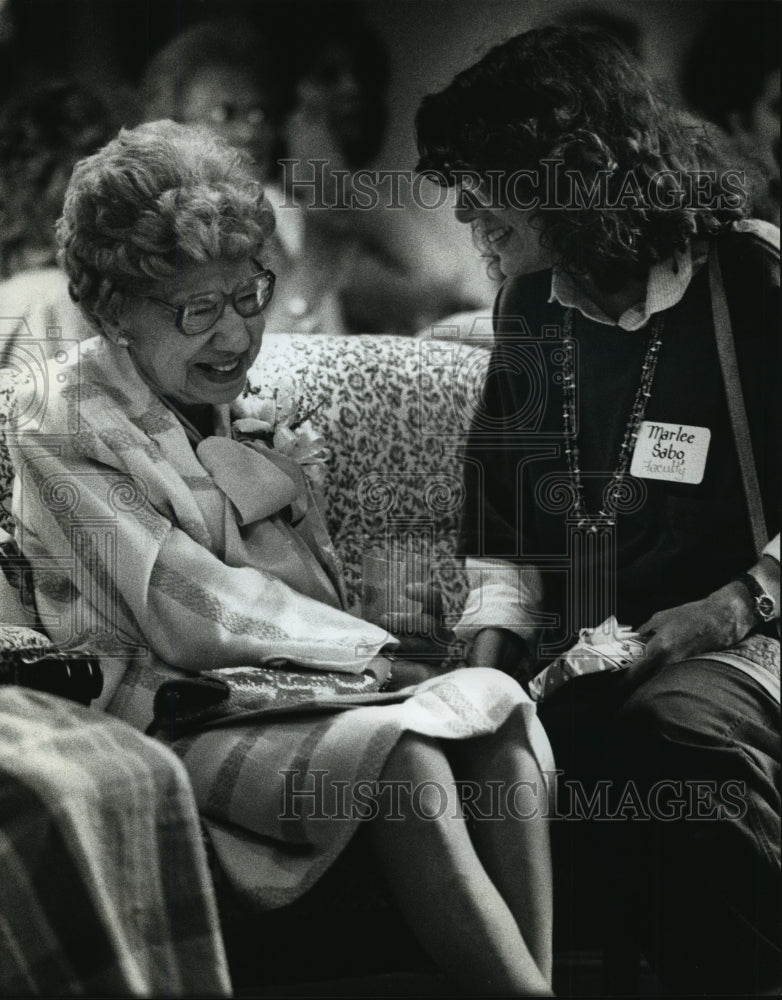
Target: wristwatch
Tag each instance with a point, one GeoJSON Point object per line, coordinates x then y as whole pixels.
{"type": "Point", "coordinates": [762, 603]}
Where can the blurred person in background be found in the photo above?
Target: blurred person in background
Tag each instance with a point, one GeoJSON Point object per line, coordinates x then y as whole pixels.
{"type": "Point", "coordinates": [227, 76]}
{"type": "Point", "coordinates": [309, 88]}
{"type": "Point", "coordinates": [731, 76]}
{"type": "Point", "coordinates": [339, 114]}
{"type": "Point", "coordinates": [44, 130]}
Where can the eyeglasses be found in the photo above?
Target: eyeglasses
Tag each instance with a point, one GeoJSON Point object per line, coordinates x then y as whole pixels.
{"type": "Point", "coordinates": [201, 311]}
{"type": "Point", "coordinates": [227, 113]}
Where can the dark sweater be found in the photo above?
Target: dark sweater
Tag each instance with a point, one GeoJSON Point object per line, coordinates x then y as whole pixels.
{"type": "Point", "coordinates": [680, 541]}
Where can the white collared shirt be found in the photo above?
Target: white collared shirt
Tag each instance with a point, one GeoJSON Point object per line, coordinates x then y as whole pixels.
{"type": "Point", "coordinates": [668, 281]}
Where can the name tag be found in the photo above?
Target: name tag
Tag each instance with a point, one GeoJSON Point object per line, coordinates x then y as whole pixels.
{"type": "Point", "coordinates": [676, 452]}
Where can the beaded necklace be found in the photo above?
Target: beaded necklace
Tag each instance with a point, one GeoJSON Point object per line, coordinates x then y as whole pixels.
{"type": "Point", "coordinates": [614, 490]}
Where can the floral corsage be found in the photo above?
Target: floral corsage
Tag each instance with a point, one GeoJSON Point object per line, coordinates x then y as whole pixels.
{"type": "Point", "coordinates": [280, 424]}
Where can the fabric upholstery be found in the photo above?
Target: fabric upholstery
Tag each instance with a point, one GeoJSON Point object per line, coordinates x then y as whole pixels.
{"type": "Point", "coordinates": [394, 412]}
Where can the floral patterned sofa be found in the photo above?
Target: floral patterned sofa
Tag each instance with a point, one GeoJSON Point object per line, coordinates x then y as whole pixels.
{"type": "Point", "coordinates": [394, 413]}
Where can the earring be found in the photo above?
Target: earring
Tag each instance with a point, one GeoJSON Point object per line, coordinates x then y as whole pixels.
{"type": "Point", "coordinates": [122, 341]}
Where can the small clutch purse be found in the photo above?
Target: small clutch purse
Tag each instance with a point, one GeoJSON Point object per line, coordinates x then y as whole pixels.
{"type": "Point", "coordinates": [610, 646]}
{"type": "Point", "coordinates": [219, 697]}
{"type": "Point", "coordinates": [29, 660]}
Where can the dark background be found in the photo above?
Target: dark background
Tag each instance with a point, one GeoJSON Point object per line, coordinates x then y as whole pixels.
{"type": "Point", "coordinates": [106, 43]}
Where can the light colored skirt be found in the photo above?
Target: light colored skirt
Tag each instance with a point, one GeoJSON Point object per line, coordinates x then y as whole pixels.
{"type": "Point", "coordinates": [272, 845]}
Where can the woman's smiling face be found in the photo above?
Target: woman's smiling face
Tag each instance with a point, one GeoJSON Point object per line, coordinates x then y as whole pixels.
{"type": "Point", "coordinates": [508, 233]}
{"type": "Point", "coordinates": [209, 367]}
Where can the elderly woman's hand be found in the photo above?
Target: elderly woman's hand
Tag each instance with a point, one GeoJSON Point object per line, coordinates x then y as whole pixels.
{"type": "Point", "coordinates": [420, 631]}
{"type": "Point", "coordinates": [718, 621]}
{"type": "Point", "coordinates": [405, 673]}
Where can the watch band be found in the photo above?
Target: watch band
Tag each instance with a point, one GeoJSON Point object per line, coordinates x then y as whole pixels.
{"type": "Point", "coordinates": [763, 603]}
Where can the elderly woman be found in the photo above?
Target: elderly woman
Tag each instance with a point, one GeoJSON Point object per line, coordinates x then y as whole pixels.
{"type": "Point", "coordinates": [158, 537]}
{"type": "Point", "coordinates": [617, 477]}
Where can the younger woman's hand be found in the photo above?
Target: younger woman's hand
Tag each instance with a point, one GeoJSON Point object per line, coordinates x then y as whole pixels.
{"type": "Point", "coordinates": [717, 622]}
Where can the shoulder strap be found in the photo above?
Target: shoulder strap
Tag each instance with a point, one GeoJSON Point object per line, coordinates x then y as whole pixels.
{"type": "Point", "coordinates": [766, 232]}
{"type": "Point", "coordinates": [738, 413]}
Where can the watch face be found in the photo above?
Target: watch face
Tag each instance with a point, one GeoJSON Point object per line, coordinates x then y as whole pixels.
{"type": "Point", "coordinates": [764, 606]}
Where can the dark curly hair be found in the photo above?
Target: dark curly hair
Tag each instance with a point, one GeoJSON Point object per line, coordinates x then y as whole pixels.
{"type": "Point", "coordinates": [158, 197]}
{"type": "Point", "coordinates": [44, 131]}
{"type": "Point", "coordinates": [575, 96]}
